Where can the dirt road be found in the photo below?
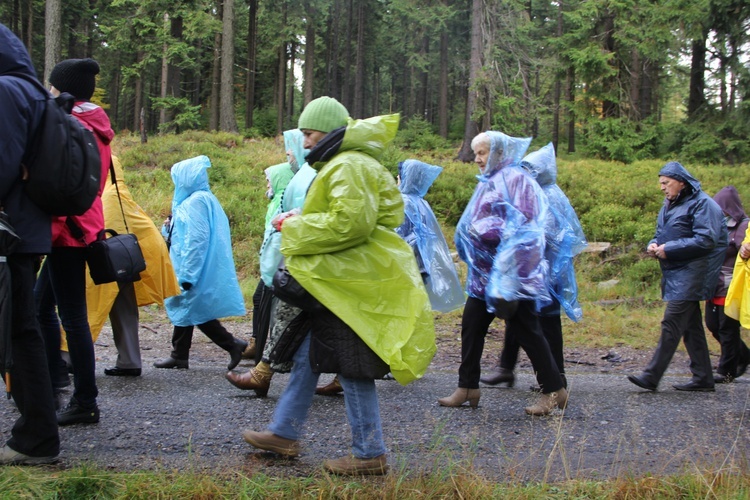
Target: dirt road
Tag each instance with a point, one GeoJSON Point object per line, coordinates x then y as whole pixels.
{"type": "Point", "coordinates": [192, 419]}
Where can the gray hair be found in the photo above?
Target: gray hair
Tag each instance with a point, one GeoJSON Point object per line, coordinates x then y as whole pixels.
{"type": "Point", "coordinates": [480, 139]}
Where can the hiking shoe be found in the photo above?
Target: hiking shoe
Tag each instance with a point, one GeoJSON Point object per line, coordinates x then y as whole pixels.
{"type": "Point", "coordinates": [170, 362]}
{"type": "Point", "coordinates": [353, 466]}
{"type": "Point", "coordinates": [694, 387]}
{"type": "Point", "coordinates": [9, 456]}
{"type": "Point", "coordinates": [269, 441]}
{"type": "Point", "coordinates": [74, 413]}
{"type": "Point", "coordinates": [642, 382]}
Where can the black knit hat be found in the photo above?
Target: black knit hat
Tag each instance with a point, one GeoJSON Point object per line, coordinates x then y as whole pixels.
{"type": "Point", "coordinates": [77, 77]}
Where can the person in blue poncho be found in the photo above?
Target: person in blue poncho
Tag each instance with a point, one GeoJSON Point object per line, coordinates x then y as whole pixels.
{"type": "Point", "coordinates": [201, 253]}
{"type": "Point", "coordinates": [690, 243]}
{"type": "Point", "coordinates": [500, 236]}
{"type": "Point", "coordinates": [564, 239]}
{"type": "Point", "coordinates": [283, 318]}
{"type": "Point", "coordinates": [422, 231]}
{"type": "Point", "coordinates": [277, 178]}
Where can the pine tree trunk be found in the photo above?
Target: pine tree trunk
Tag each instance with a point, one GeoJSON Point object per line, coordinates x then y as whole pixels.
{"type": "Point", "coordinates": [471, 128]}
{"type": "Point", "coordinates": [443, 85]}
{"type": "Point", "coordinates": [227, 119]}
{"type": "Point", "coordinates": [359, 72]}
{"type": "Point", "coordinates": [307, 92]}
{"type": "Point", "coordinates": [252, 26]}
{"type": "Point", "coordinates": [52, 36]}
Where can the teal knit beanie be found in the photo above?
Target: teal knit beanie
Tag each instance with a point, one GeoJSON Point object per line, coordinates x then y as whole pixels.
{"type": "Point", "coordinates": [323, 114]}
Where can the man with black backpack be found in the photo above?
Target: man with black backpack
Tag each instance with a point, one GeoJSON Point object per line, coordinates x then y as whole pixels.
{"type": "Point", "coordinates": [62, 280]}
{"type": "Point", "coordinates": [34, 438]}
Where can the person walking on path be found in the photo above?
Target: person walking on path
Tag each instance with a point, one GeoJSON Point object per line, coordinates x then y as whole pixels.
{"type": "Point", "coordinates": [690, 243]}
{"type": "Point", "coordinates": [201, 252]}
{"type": "Point", "coordinates": [345, 230]}
{"type": "Point", "coordinates": [284, 319]}
{"type": "Point", "coordinates": [62, 280]}
{"type": "Point", "coordinates": [563, 240]}
{"type": "Point", "coordinates": [735, 356]}
{"type": "Point", "coordinates": [120, 301]}
{"type": "Point", "coordinates": [500, 236]}
{"type": "Point", "coordinates": [34, 437]}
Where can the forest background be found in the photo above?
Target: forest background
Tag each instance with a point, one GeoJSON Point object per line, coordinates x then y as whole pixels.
{"type": "Point", "coordinates": [614, 79]}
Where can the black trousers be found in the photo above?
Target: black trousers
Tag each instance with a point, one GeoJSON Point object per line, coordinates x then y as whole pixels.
{"type": "Point", "coordinates": [682, 320]}
{"type": "Point", "coordinates": [35, 432]}
{"type": "Point", "coordinates": [734, 353]}
{"type": "Point", "coordinates": [552, 331]}
{"type": "Point", "coordinates": [182, 338]}
{"type": "Point", "coordinates": [262, 301]}
{"type": "Point", "coordinates": [524, 326]}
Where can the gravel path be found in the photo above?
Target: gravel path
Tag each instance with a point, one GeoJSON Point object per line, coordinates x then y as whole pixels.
{"type": "Point", "coordinates": [192, 420]}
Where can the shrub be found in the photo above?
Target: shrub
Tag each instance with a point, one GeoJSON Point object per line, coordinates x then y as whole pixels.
{"type": "Point", "coordinates": [620, 139]}
{"type": "Point", "coordinates": [417, 133]}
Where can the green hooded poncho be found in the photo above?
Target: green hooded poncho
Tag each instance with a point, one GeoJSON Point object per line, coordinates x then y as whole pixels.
{"type": "Point", "coordinates": [343, 249]}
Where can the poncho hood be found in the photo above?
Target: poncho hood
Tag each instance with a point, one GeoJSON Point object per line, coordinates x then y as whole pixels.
{"type": "Point", "coordinates": [417, 176]}
{"type": "Point", "coordinates": [14, 57]}
{"type": "Point", "coordinates": [190, 176]}
{"type": "Point", "coordinates": [541, 165]}
{"type": "Point", "coordinates": [504, 151]}
{"type": "Point", "coordinates": [729, 201]}
{"type": "Point", "coordinates": [371, 135]}
{"type": "Point", "coordinates": [293, 142]}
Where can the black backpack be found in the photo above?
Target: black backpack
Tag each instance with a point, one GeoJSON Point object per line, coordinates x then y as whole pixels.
{"type": "Point", "coordinates": [62, 159]}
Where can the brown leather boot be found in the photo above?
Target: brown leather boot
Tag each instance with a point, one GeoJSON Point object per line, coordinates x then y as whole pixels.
{"type": "Point", "coordinates": [249, 352]}
{"type": "Point", "coordinates": [330, 389]}
{"type": "Point", "coordinates": [353, 466]}
{"type": "Point", "coordinates": [460, 396]}
{"type": "Point", "coordinates": [271, 442]}
{"type": "Point", "coordinates": [257, 379]}
{"type": "Point", "coordinates": [548, 402]}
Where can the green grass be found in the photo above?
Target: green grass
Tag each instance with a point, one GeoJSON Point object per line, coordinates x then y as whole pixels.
{"type": "Point", "coordinates": [91, 483]}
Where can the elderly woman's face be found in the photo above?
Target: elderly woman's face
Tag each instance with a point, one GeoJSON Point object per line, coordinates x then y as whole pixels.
{"type": "Point", "coordinates": [670, 187]}
{"type": "Point", "coordinates": [481, 154]}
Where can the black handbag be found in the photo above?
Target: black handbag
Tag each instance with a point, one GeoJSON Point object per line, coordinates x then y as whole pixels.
{"type": "Point", "coordinates": [117, 258]}
{"type": "Point", "coordinates": [288, 289]}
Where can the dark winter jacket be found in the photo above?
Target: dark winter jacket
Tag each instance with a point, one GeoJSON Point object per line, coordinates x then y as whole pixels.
{"type": "Point", "coordinates": [21, 109]}
{"type": "Point", "coordinates": [692, 229]}
{"type": "Point", "coordinates": [728, 200]}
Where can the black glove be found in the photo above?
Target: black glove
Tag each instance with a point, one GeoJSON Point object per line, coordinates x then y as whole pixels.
{"type": "Point", "coordinates": [186, 286]}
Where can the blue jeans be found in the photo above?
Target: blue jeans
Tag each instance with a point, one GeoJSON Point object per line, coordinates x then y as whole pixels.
{"type": "Point", "coordinates": [360, 397]}
{"type": "Point", "coordinates": [62, 282]}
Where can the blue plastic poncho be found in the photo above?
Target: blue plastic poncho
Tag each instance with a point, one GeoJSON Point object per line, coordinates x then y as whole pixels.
{"type": "Point", "coordinates": [564, 238]}
{"type": "Point", "coordinates": [501, 232]}
{"type": "Point", "coordinates": [294, 147]}
{"type": "Point", "coordinates": [201, 250]}
{"type": "Point", "coordinates": [280, 176]}
{"type": "Point", "coordinates": [270, 255]}
{"type": "Point", "coordinates": [343, 249]}
{"type": "Point", "coordinates": [422, 231]}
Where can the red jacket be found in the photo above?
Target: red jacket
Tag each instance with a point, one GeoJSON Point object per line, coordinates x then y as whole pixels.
{"type": "Point", "coordinates": [91, 222]}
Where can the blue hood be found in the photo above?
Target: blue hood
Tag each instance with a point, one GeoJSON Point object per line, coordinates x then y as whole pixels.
{"type": "Point", "coordinates": [190, 176]}
{"type": "Point", "coordinates": [417, 176]}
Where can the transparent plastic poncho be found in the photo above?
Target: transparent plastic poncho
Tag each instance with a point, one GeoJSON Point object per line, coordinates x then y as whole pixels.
{"type": "Point", "coordinates": [422, 231]}
{"type": "Point", "coordinates": [501, 232]}
{"type": "Point", "coordinates": [564, 238]}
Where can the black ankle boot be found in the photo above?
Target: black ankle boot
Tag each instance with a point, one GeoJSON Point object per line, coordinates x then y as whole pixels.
{"type": "Point", "coordinates": [500, 376]}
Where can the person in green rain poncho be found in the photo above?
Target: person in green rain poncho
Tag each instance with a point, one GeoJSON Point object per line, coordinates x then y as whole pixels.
{"type": "Point", "coordinates": [344, 250]}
